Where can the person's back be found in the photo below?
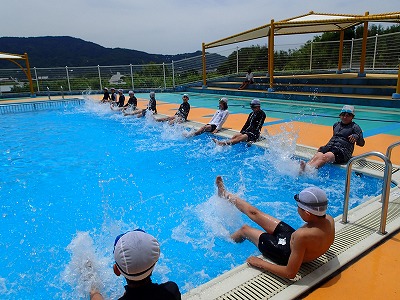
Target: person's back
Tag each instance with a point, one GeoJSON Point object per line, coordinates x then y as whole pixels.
{"type": "Point", "coordinates": [136, 254]}
{"type": "Point", "coordinates": [152, 106]}
{"type": "Point", "coordinates": [164, 291]}
{"type": "Point", "coordinates": [316, 236]}
{"type": "Point", "coordinates": [106, 95]}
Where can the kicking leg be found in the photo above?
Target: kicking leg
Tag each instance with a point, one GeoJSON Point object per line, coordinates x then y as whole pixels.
{"type": "Point", "coordinates": [267, 222]}
{"type": "Point", "coordinates": [321, 159]}
{"type": "Point", "coordinates": [247, 233]}
{"type": "Point", "coordinates": [237, 138]}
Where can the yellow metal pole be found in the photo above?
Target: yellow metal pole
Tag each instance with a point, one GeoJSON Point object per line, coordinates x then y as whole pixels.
{"type": "Point", "coordinates": [398, 82]}
{"type": "Point", "coordinates": [271, 56]}
{"type": "Point", "coordinates": [340, 62]}
{"type": "Point", "coordinates": [203, 47]}
{"type": "Point", "coordinates": [363, 49]}
{"type": "Point", "coordinates": [397, 94]}
{"type": "Point", "coordinates": [28, 74]}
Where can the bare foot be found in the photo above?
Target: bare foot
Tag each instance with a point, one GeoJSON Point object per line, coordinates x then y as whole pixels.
{"type": "Point", "coordinates": [187, 134]}
{"type": "Point", "coordinates": [216, 141]}
{"type": "Point", "coordinates": [238, 237]}
{"type": "Point", "coordinates": [302, 166]}
{"type": "Point", "coordinates": [221, 187]}
{"type": "Point", "coordinates": [221, 143]}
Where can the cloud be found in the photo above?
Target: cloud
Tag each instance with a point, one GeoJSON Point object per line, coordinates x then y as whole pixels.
{"type": "Point", "coordinates": [158, 26]}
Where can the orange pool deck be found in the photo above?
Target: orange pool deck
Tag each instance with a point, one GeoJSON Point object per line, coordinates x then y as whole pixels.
{"type": "Point", "coordinates": [372, 276]}
{"type": "Point", "coordinates": [311, 135]}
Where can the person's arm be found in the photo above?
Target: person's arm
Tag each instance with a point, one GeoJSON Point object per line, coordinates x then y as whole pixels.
{"type": "Point", "coordinates": [222, 121]}
{"type": "Point", "coordinates": [246, 125]}
{"type": "Point", "coordinates": [357, 136]}
{"type": "Point", "coordinates": [294, 263]}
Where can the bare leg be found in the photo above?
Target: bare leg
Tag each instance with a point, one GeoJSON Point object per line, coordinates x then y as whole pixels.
{"type": "Point", "coordinates": [244, 85]}
{"type": "Point", "coordinates": [205, 128]}
{"type": "Point", "coordinates": [237, 138]}
{"type": "Point", "coordinates": [222, 143]}
{"type": "Point", "coordinates": [267, 222]}
{"type": "Point", "coordinates": [321, 159]}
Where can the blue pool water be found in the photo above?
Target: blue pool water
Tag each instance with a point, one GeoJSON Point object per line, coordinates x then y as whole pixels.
{"type": "Point", "coordinates": [74, 178]}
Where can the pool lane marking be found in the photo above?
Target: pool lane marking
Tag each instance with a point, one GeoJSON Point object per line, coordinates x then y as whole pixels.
{"type": "Point", "coordinates": [379, 130]}
{"type": "Point", "coordinates": [277, 122]}
{"type": "Point", "coordinates": [366, 133]}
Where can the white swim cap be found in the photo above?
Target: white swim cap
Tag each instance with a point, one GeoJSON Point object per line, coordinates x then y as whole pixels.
{"type": "Point", "coordinates": [255, 102]}
{"type": "Point", "coordinates": [348, 109]}
{"type": "Point", "coordinates": [136, 253]}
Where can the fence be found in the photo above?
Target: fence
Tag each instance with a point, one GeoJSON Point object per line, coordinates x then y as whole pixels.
{"type": "Point", "coordinates": [383, 54]}
{"type": "Point", "coordinates": [40, 105]}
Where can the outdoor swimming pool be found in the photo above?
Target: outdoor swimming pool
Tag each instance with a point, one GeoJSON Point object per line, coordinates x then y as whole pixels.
{"type": "Point", "coordinates": [74, 178]}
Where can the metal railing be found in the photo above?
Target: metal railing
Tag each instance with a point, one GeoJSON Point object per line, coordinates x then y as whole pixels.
{"type": "Point", "coordinates": [387, 177]}
{"type": "Point", "coordinates": [39, 105]}
{"type": "Point", "coordinates": [390, 148]}
{"type": "Point", "coordinates": [383, 53]}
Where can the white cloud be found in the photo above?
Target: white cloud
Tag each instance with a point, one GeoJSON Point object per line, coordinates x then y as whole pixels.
{"type": "Point", "coordinates": [157, 26]}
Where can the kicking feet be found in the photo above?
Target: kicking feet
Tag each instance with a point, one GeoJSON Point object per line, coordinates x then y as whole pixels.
{"type": "Point", "coordinates": [302, 166]}
{"type": "Point", "coordinates": [306, 168]}
{"type": "Point", "coordinates": [221, 187]}
{"type": "Point", "coordinates": [222, 192]}
{"type": "Point", "coordinates": [221, 143]}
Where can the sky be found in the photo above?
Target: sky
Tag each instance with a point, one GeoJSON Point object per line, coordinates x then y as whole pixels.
{"type": "Point", "coordinates": [165, 27]}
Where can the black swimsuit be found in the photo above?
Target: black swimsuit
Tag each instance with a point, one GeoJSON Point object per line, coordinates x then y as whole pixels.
{"type": "Point", "coordinates": [253, 125]}
{"type": "Point", "coordinates": [276, 246]}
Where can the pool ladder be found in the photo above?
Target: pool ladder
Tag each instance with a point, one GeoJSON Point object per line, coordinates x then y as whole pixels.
{"type": "Point", "coordinates": [387, 177]}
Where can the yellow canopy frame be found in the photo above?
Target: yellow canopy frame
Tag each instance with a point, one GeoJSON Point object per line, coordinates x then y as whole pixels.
{"type": "Point", "coordinates": [13, 58]}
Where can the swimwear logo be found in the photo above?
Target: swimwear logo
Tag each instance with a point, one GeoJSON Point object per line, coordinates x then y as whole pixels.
{"type": "Point", "coordinates": [282, 241]}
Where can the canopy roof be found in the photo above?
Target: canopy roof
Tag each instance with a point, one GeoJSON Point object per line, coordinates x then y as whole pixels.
{"type": "Point", "coordinates": [308, 23]}
{"type": "Point", "coordinates": [26, 69]}
{"type": "Point", "coordinates": [11, 56]}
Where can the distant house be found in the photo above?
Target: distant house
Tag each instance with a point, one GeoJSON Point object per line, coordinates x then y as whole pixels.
{"type": "Point", "coordinates": [117, 79]}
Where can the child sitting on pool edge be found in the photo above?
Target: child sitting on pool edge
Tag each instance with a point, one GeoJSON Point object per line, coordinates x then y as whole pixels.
{"type": "Point", "coordinates": [286, 247]}
{"type": "Point", "coordinates": [340, 148]}
{"type": "Point", "coordinates": [182, 113]}
{"type": "Point", "coordinates": [136, 254]}
{"type": "Point", "coordinates": [217, 120]}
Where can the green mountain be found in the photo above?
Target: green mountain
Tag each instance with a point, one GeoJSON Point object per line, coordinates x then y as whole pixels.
{"type": "Point", "coordinates": [61, 51]}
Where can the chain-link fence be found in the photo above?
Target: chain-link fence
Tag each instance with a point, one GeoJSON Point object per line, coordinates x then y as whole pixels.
{"type": "Point", "coordinates": [383, 54]}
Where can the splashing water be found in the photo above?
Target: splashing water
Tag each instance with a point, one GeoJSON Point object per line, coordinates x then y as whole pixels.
{"type": "Point", "coordinates": [281, 150]}
{"type": "Point", "coordinates": [88, 268]}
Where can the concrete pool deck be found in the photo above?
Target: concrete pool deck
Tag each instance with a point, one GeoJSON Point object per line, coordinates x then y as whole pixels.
{"type": "Point", "coordinates": [373, 275]}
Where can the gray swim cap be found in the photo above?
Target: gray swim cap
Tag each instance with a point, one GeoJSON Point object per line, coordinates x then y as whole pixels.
{"type": "Point", "coordinates": [313, 200]}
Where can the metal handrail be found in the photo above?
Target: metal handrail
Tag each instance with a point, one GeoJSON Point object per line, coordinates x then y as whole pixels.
{"type": "Point", "coordinates": [390, 148]}
{"type": "Point", "coordinates": [387, 177]}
